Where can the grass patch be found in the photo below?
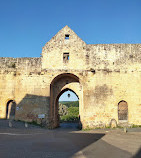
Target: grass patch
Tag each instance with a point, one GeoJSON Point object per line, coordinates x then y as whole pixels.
{"type": "Point", "coordinates": [71, 116]}
{"type": "Point", "coordinates": [135, 126]}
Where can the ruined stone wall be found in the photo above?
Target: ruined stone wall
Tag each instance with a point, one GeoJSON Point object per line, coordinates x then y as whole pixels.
{"type": "Point", "coordinates": [114, 57]}
{"type": "Point", "coordinates": [102, 93]}
{"type": "Point", "coordinates": [108, 73]}
{"type": "Point", "coordinates": [52, 53]}
{"type": "Point", "coordinates": [30, 91]}
{"type": "Point", "coordinates": [14, 79]}
{"type": "Point", "coordinates": [116, 70]}
{"type": "Point", "coordinates": [20, 64]}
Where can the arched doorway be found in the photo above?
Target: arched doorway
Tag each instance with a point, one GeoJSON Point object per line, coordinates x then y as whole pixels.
{"type": "Point", "coordinates": [58, 86]}
{"type": "Point", "coordinates": [10, 109]}
{"type": "Point", "coordinates": [68, 107]}
{"type": "Point", "coordinates": [122, 111]}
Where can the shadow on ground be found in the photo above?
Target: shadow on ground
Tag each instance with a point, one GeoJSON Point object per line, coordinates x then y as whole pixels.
{"type": "Point", "coordinates": [138, 154]}
{"type": "Point", "coordinates": [63, 142]}
{"type": "Point", "coordinates": [39, 142]}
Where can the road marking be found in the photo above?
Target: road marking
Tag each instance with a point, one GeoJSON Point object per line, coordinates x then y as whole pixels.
{"type": "Point", "coordinates": [19, 134]}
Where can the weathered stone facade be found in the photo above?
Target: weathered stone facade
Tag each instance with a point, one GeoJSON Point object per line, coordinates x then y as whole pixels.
{"type": "Point", "coordinates": [102, 75]}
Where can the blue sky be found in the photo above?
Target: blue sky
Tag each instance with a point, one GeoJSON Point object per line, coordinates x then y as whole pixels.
{"type": "Point", "coordinates": [26, 25]}
{"type": "Point", "coordinates": [64, 96]}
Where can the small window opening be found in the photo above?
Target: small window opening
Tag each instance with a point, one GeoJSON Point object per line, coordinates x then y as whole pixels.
{"type": "Point", "coordinates": [67, 36]}
{"type": "Point", "coordinates": [65, 57]}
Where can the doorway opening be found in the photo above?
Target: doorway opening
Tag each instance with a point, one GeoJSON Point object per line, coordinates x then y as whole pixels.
{"type": "Point", "coordinates": [122, 111]}
{"type": "Point", "coordinates": [68, 108]}
{"type": "Point", "coordinates": [10, 109]}
{"type": "Point", "coordinates": [62, 83]}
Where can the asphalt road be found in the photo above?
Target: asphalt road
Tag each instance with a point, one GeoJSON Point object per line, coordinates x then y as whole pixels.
{"type": "Point", "coordinates": [65, 142]}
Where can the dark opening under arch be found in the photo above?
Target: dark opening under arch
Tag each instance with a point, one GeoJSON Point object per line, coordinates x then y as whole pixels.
{"type": "Point", "coordinates": [56, 89]}
{"type": "Point", "coordinates": [10, 109]}
{"type": "Point", "coordinates": [122, 110]}
{"type": "Point", "coordinates": [68, 109]}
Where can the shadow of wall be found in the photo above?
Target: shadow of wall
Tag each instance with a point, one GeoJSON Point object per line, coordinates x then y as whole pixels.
{"type": "Point", "coordinates": [138, 154]}
{"type": "Point", "coordinates": [11, 112]}
{"type": "Point", "coordinates": [33, 108]}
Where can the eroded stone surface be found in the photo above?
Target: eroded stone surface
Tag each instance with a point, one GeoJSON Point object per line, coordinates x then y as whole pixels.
{"type": "Point", "coordinates": [101, 75]}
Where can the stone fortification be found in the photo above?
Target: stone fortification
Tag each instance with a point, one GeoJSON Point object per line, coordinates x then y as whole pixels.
{"type": "Point", "coordinates": [105, 77]}
{"type": "Point", "coordinates": [117, 57]}
{"type": "Point", "coordinates": [20, 64]}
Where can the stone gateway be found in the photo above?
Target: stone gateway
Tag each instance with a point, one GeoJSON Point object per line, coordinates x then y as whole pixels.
{"type": "Point", "coordinates": [105, 77]}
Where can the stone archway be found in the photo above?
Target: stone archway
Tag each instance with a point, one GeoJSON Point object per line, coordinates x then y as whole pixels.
{"type": "Point", "coordinates": [59, 84]}
{"type": "Point", "coordinates": [57, 102]}
{"type": "Point", "coordinates": [10, 109]}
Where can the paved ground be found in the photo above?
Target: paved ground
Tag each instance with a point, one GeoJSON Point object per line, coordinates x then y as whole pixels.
{"type": "Point", "coordinates": [67, 141]}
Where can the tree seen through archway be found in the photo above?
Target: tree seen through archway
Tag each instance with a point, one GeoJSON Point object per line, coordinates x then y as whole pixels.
{"type": "Point", "coordinates": [69, 107]}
